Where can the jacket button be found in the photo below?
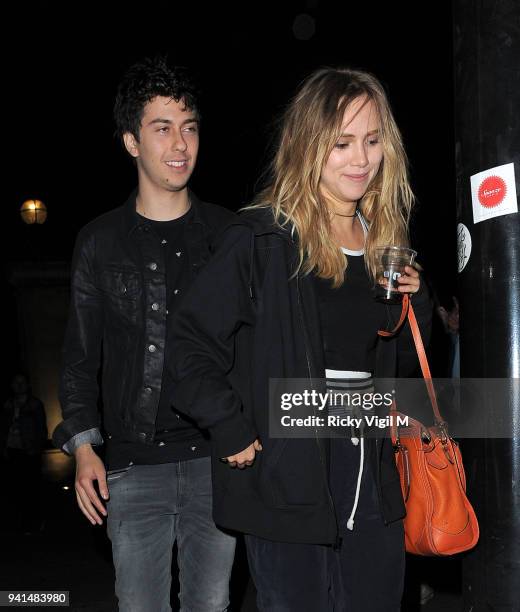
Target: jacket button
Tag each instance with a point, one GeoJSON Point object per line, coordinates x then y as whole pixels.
{"type": "Point", "coordinates": [152, 348]}
{"type": "Point", "coordinates": [193, 448]}
{"type": "Point", "coordinates": [155, 306]}
{"type": "Point", "coordinates": [148, 390]}
{"type": "Point", "coordinates": [123, 289]}
{"type": "Point", "coordinates": [152, 266]}
{"type": "Point", "coordinates": [176, 291]}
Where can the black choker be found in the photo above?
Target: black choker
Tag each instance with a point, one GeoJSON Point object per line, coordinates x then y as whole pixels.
{"type": "Point", "coordinates": [340, 215]}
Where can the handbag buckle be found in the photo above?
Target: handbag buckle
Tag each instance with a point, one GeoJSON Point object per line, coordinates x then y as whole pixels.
{"type": "Point", "coordinates": [426, 437]}
{"type": "Point", "coordinates": [443, 431]}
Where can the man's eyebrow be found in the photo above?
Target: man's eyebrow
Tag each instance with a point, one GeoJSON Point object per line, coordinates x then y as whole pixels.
{"type": "Point", "coordinates": [371, 133]}
{"type": "Point", "coordinates": [169, 121]}
{"type": "Point", "coordinates": [159, 120]}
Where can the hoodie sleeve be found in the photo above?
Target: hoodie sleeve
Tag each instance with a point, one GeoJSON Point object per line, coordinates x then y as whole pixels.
{"type": "Point", "coordinates": [202, 343]}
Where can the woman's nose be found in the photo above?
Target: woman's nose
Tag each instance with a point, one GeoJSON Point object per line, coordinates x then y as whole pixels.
{"type": "Point", "coordinates": [359, 155]}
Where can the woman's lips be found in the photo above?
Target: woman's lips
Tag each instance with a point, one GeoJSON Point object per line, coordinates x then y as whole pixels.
{"type": "Point", "coordinates": [358, 178]}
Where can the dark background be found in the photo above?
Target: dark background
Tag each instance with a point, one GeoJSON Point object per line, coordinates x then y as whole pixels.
{"type": "Point", "coordinates": [63, 61]}
{"type": "Point", "coordinates": [61, 65]}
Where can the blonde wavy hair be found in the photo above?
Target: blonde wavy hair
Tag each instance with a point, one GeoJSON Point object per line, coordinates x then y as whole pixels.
{"type": "Point", "coordinates": [311, 126]}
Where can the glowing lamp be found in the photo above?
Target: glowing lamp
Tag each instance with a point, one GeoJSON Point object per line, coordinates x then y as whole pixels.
{"type": "Point", "coordinates": [33, 211]}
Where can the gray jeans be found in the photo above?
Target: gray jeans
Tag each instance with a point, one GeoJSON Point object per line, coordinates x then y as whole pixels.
{"type": "Point", "coordinates": [150, 507]}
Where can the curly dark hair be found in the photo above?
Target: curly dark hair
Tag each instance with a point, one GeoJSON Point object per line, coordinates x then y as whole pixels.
{"type": "Point", "coordinates": [144, 81]}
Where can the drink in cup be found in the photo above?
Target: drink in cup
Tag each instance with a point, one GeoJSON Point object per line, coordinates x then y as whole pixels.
{"type": "Point", "coordinates": [390, 264]}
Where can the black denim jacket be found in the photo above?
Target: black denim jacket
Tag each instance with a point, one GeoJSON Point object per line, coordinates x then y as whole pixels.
{"type": "Point", "coordinates": [118, 319]}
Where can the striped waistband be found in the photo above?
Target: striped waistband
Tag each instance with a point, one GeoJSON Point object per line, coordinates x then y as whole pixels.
{"type": "Point", "coordinates": [343, 380]}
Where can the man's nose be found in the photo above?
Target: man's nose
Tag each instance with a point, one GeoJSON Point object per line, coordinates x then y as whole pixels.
{"type": "Point", "coordinates": [178, 142]}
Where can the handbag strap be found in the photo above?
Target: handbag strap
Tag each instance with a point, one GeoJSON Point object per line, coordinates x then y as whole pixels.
{"type": "Point", "coordinates": [425, 367]}
{"type": "Point", "coordinates": [408, 311]}
{"type": "Point", "coordinates": [406, 303]}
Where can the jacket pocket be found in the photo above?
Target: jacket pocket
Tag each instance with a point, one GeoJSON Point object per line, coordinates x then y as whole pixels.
{"type": "Point", "coordinates": [290, 474]}
{"type": "Point", "coordinates": [122, 291]}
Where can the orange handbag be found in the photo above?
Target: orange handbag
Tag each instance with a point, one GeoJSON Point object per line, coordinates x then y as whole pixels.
{"type": "Point", "coordinates": [439, 517]}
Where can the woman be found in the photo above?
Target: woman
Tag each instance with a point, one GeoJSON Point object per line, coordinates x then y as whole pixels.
{"type": "Point", "coordinates": [288, 294]}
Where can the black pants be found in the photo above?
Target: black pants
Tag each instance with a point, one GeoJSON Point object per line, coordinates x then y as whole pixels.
{"type": "Point", "coordinates": [365, 574]}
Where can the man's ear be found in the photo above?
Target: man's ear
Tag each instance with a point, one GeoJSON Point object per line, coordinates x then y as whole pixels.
{"type": "Point", "coordinates": [131, 144]}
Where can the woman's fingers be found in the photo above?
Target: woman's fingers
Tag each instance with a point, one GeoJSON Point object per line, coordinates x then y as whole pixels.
{"type": "Point", "coordinates": [410, 281]}
{"type": "Point", "coordinates": [245, 457]}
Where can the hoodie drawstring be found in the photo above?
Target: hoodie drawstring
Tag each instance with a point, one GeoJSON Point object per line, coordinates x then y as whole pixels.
{"type": "Point", "coordinates": [347, 382]}
{"type": "Point", "coordinates": [350, 522]}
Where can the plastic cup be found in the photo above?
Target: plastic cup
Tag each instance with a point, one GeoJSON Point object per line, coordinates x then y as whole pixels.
{"type": "Point", "coordinates": [390, 264]}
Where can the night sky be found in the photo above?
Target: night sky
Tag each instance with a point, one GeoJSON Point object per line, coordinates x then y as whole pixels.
{"type": "Point", "coordinates": [65, 59]}
{"type": "Point", "coordinates": [62, 63]}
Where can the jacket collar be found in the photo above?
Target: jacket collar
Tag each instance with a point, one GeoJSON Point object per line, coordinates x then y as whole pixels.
{"type": "Point", "coordinates": [132, 220]}
{"type": "Point", "coordinates": [261, 221]}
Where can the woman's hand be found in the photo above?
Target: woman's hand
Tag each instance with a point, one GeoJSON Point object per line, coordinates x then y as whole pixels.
{"type": "Point", "coordinates": [410, 281]}
{"type": "Point", "coordinates": [245, 457]}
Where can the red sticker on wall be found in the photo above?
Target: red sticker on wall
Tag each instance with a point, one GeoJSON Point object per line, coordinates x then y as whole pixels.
{"type": "Point", "coordinates": [492, 191]}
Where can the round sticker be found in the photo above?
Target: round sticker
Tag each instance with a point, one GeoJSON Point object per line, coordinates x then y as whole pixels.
{"type": "Point", "coordinates": [463, 246]}
{"type": "Point", "coordinates": [492, 191]}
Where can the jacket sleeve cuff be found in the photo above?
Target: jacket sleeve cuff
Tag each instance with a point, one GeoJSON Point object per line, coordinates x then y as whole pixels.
{"type": "Point", "coordinates": [422, 297]}
{"type": "Point", "coordinates": [90, 436]}
{"type": "Point", "coordinates": [232, 436]}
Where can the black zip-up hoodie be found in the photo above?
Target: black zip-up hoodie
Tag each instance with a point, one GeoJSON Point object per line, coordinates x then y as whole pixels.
{"type": "Point", "coordinates": [247, 319]}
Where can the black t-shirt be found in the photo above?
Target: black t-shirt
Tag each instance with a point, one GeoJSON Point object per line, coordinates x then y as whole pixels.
{"type": "Point", "coordinates": [350, 318]}
{"type": "Point", "coordinates": [172, 239]}
{"type": "Point", "coordinates": [175, 439]}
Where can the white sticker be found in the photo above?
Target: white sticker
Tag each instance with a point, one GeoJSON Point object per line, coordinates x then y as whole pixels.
{"type": "Point", "coordinates": [493, 193]}
{"type": "Point", "coordinates": [463, 246]}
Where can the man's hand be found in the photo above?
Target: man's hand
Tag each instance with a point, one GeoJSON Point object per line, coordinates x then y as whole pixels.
{"type": "Point", "coordinates": [450, 318]}
{"type": "Point", "coordinates": [89, 468]}
{"type": "Point", "coordinates": [245, 457]}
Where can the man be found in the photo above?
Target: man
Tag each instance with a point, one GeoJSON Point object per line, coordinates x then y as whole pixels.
{"type": "Point", "coordinates": [23, 436]}
{"type": "Point", "coordinates": [131, 267]}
